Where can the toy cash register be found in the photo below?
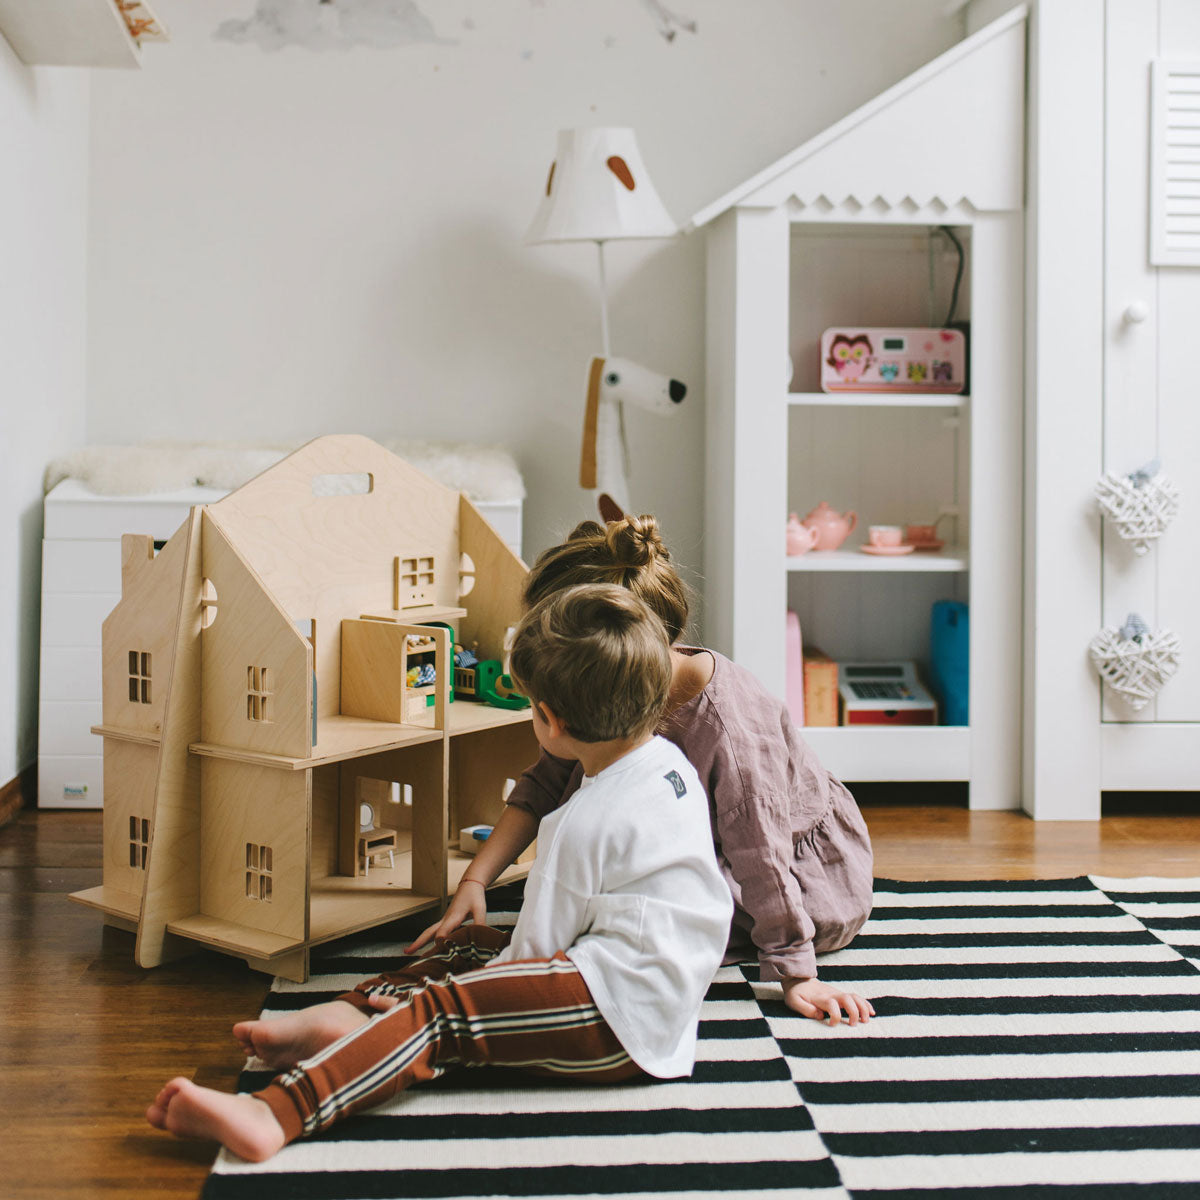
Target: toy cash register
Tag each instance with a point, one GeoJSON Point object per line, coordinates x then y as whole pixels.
{"type": "Point", "coordinates": [887, 693]}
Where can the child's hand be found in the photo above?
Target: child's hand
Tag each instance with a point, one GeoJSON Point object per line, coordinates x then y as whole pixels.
{"type": "Point", "coordinates": [812, 998]}
{"type": "Point", "coordinates": [469, 901]}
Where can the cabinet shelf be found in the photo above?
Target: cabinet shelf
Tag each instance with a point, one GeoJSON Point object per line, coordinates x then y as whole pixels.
{"type": "Point", "coordinates": [877, 399]}
{"type": "Point", "coordinates": [949, 560]}
{"type": "Point", "coordinates": [917, 754]}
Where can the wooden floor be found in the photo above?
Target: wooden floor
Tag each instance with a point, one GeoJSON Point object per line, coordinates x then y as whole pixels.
{"type": "Point", "coordinates": [87, 1037]}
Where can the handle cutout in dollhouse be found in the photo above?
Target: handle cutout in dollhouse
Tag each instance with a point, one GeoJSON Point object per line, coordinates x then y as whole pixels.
{"type": "Point", "coordinates": [349, 483]}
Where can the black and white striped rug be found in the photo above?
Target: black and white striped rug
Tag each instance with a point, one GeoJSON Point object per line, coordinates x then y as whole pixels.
{"type": "Point", "coordinates": [1034, 1039]}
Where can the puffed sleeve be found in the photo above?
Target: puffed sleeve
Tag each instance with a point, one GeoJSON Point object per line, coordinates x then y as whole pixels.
{"type": "Point", "coordinates": [547, 784]}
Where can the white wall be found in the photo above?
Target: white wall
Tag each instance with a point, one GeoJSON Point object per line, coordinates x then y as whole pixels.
{"type": "Point", "coordinates": [43, 212]}
{"type": "Point", "coordinates": [290, 243]}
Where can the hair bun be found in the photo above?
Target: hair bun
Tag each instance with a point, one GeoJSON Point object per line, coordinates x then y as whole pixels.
{"type": "Point", "coordinates": [635, 541]}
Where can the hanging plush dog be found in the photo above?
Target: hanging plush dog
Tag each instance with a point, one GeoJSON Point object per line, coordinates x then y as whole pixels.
{"type": "Point", "coordinates": [611, 383]}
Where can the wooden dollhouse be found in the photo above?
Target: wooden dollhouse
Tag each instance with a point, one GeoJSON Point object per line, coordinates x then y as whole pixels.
{"type": "Point", "coordinates": [284, 763]}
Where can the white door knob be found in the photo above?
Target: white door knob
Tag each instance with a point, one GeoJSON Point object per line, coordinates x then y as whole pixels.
{"type": "Point", "coordinates": [1137, 312]}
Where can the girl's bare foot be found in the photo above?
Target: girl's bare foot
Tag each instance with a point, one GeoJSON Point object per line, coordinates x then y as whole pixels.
{"type": "Point", "coordinates": [285, 1041]}
{"type": "Point", "coordinates": [242, 1124]}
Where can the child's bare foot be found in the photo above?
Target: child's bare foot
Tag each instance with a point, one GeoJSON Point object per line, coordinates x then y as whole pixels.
{"type": "Point", "coordinates": [242, 1124]}
{"type": "Point", "coordinates": [285, 1041]}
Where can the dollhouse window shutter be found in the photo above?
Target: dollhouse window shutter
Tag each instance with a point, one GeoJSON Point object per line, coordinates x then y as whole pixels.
{"type": "Point", "coordinates": [1175, 163]}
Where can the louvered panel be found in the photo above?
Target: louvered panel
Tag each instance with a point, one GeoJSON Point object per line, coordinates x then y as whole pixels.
{"type": "Point", "coordinates": [1175, 163]}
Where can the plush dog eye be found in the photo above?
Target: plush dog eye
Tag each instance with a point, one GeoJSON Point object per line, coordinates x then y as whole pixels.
{"type": "Point", "coordinates": [612, 378]}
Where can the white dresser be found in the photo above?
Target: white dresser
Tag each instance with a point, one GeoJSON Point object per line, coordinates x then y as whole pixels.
{"type": "Point", "coordinates": [81, 582]}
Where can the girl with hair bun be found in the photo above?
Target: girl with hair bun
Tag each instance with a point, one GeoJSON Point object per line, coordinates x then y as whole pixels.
{"type": "Point", "coordinates": [790, 840]}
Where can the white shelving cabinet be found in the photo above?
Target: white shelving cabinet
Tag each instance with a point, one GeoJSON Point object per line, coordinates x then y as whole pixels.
{"type": "Point", "coordinates": [944, 147]}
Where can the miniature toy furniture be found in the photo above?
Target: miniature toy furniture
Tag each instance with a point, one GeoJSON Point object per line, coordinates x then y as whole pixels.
{"type": "Point", "coordinates": [254, 698]}
{"type": "Point", "coordinates": [81, 581]}
{"type": "Point", "coordinates": [377, 842]}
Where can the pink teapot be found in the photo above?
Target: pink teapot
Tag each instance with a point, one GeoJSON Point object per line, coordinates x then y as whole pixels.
{"type": "Point", "coordinates": [832, 528]}
{"type": "Point", "coordinates": [800, 537]}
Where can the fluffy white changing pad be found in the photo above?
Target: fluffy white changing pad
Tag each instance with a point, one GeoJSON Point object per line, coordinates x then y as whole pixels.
{"type": "Point", "coordinates": [484, 473]}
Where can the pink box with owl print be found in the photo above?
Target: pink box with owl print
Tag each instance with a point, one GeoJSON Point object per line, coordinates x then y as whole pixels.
{"type": "Point", "coordinates": [893, 360]}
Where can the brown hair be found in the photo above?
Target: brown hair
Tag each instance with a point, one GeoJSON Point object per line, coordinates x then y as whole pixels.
{"type": "Point", "coordinates": [628, 553]}
{"type": "Point", "coordinates": [598, 658]}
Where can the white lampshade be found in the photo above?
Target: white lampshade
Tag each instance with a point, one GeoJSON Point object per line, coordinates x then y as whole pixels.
{"type": "Point", "coordinates": [598, 189]}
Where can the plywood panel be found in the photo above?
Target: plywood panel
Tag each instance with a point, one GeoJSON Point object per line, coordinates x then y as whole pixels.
{"type": "Point", "coordinates": [480, 763]}
{"type": "Point", "coordinates": [494, 603]}
{"type": "Point", "coordinates": [325, 557]}
{"type": "Point", "coordinates": [249, 635]}
{"type": "Point", "coordinates": [173, 868]}
{"type": "Point", "coordinates": [138, 636]}
{"type": "Point", "coordinates": [130, 771]}
{"type": "Point", "coordinates": [258, 807]}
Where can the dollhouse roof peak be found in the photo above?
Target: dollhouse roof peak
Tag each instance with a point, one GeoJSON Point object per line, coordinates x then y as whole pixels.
{"type": "Point", "coordinates": [950, 133]}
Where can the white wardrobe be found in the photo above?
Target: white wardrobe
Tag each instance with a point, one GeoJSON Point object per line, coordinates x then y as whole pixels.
{"type": "Point", "coordinates": [1112, 383]}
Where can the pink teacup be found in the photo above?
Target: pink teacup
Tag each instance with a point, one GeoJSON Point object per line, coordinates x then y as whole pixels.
{"type": "Point", "coordinates": [884, 536]}
{"type": "Point", "coordinates": [919, 535]}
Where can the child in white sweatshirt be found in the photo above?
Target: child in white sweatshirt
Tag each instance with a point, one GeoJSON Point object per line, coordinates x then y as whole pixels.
{"type": "Point", "coordinates": [624, 923]}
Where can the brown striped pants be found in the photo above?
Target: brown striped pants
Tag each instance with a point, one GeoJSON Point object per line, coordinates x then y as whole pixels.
{"type": "Point", "coordinates": [454, 1010]}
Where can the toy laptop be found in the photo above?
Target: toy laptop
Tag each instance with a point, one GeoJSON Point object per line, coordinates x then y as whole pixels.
{"type": "Point", "coordinates": [893, 360]}
{"type": "Point", "coordinates": [884, 693]}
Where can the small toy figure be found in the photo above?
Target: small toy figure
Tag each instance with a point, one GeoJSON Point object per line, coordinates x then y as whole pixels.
{"type": "Point", "coordinates": [943, 372]}
{"type": "Point", "coordinates": [888, 371]}
{"type": "Point", "coordinates": [850, 356]}
{"type": "Point", "coordinates": [917, 372]}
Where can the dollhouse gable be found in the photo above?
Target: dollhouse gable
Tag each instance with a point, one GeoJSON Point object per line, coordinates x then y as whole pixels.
{"type": "Point", "coordinates": [964, 108]}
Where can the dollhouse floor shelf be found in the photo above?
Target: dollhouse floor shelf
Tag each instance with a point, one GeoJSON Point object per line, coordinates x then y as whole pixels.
{"type": "Point", "coordinates": [338, 738]}
{"type": "Point", "coordinates": [877, 399]}
{"type": "Point", "coordinates": [108, 900]}
{"type": "Point", "coordinates": [468, 716]}
{"type": "Point", "coordinates": [127, 735]}
{"type": "Point", "coordinates": [875, 755]}
{"type": "Point", "coordinates": [952, 558]}
{"type": "Point", "coordinates": [228, 935]}
{"type": "Point", "coordinates": [458, 863]}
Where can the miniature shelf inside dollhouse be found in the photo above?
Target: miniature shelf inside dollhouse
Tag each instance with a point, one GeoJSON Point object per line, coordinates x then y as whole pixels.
{"type": "Point", "coordinates": [949, 559]}
{"type": "Point", "coordinates": [469, 716]}
{"type": "Point", "coordinates": [417, 616]}
{"type": "Point", "coordinates": [878, 399]}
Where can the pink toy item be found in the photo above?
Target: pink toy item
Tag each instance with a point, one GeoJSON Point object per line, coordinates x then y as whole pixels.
{"type": "Point", "coordinates": [893, 360]}
{"type": "Point", "coordinates": [832, 527]}
{"type": "Point", "coordinates": [885, 535]}
{"type": "Point", "coordinates": [800, 537]}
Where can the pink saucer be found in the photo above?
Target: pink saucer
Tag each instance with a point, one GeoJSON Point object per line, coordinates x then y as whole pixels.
{"type": "Point", "coordinates": [887, 550]}
{"type": "Point", "coordinates": [935, 545]}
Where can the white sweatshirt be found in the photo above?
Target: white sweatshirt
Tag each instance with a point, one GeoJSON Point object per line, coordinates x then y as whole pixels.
{"type": "Point", "coordinates": [626, 883]}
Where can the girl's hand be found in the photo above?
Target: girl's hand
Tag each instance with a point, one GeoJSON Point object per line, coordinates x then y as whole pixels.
{"type": "Point", "coordinates": [470, 900]}
{"type": "Point", "coordinates": [812, 998]}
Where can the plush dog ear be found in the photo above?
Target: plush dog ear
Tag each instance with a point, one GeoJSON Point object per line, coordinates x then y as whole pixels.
{"type": "Point", "coordinates": [587, 460]}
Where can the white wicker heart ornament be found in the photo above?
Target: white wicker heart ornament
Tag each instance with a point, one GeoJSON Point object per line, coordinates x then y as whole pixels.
{"type": "Point", "coordinates": [1140, 505]}
{"type": "Point", "coordinates": [1134, 662]}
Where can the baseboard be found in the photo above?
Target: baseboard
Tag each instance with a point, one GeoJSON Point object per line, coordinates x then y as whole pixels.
{"type": "Point", "coordinates": [18, 793]}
